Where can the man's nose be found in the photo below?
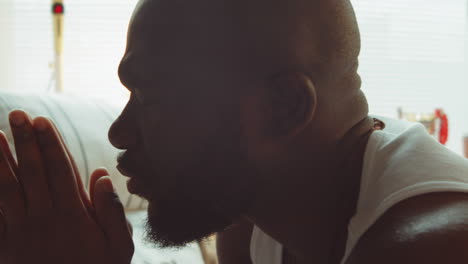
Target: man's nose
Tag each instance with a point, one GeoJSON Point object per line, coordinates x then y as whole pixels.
{"type": "Point", "coordinates": [122, 134]}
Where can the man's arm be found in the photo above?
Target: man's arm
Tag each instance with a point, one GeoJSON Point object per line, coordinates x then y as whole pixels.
{"type": "Point", "coordinates": [429, 229]}
{"type": "Point", "coordinates": [233, 244]}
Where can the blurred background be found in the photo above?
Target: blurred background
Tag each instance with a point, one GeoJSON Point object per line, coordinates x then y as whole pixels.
{"type": "Point", "coordinates": [414, 53]}
{"type": "Point", "coordinates": [94, 35]}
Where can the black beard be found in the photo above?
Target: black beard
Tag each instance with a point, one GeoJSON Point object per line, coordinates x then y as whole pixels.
{"type": "Point", "coordinates": [204, 204]}
{"type": "Point", "coordinates": [211, 191]}
{"type": "Point", "coordinates": [178, 223]}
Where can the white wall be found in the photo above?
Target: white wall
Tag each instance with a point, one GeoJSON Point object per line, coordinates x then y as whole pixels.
{"type": "Point", "coordinates": [7, 58]}
{"type": "Point", "coordinates": [94, 41]}
{"type": "Point", "coordinates": [414, 56]}
{"type": "Point", "coordinates": [33, 48]}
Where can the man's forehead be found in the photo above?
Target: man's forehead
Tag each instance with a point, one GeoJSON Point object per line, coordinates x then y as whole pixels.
{"type": "Point", "coordinates": [178, 26]}
{"type": "Point", "coordinates": [174, 12]}
{"type": "Point", "coordinates": [258, 33]}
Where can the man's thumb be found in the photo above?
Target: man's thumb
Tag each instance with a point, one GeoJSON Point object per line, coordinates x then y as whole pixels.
{"type": "Point", "coordinates": [111, 217]}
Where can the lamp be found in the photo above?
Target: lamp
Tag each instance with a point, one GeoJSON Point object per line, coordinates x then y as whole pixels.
{"type": "Point", "coordinates": [58, 11]}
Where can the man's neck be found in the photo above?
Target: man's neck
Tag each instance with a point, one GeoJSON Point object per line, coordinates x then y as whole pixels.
{"type": "Point", "coordinates": [308, 213]}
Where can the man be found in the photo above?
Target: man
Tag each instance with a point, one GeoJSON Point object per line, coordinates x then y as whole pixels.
{"type": "Point", "coordinates": [246, 118]}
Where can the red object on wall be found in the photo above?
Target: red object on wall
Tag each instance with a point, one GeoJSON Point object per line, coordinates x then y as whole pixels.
{"type": "Point", "coordinates": [443, 129]}
{"type": "Point", "coordinates": [58, 8]}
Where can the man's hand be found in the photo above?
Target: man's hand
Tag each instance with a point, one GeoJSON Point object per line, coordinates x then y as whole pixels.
{"type": "Point", "coordinates": [47, 216]}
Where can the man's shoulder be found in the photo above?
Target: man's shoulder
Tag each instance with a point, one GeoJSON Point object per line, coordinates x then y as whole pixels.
{"type": "Point", "coordinates": [430, 228]}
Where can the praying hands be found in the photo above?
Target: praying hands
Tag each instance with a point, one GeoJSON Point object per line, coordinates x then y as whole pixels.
{"type": "Point", "coordinates": [46, 214]}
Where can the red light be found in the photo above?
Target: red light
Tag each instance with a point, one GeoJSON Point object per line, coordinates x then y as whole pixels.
{"type": "Point", "coordinates": [57, 8]}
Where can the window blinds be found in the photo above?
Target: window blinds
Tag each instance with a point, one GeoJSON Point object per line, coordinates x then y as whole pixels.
{"type": "Point", "coordinates": [414, 56]}
{"type": "Point", "coordinates": [412, 52]}
{"type": "Point", "coordinates": [94, 41]}
{"type": "Point", "coordinates": [7, 61]}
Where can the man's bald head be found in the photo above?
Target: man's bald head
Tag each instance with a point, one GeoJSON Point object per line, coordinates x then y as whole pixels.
{"type": "Point", "coordinates": [255, 36]}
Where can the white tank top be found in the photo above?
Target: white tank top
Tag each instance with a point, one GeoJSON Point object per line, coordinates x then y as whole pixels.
{"type": "Point", "coordinates": [401, 161]}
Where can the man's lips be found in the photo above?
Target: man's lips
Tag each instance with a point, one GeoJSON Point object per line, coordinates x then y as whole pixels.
{"type": "Point", "coordinates": [125, 168]}
{"type": "Point", "coordinates": [132, 186]}
{"type": "Point", "coordinates": [124, 171]}
{"type": "Point", "coordinates": [129, 165]}
{"type": "Point", "coordinates": [126, 165]}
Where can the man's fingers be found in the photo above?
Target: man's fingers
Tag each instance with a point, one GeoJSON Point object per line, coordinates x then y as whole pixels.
{"type": "Point", "coordinates": [11, 193]}
{"type": "Point", "coordinates": [101, 172]}
{"type": "Point", "coordinates": [5, 148]}
{"type": "Point", "coordinates": [81, 188]}
{"type": "Point", "coordinates": [31, 171]}
{"type": "Point", "coordinates": [92, 183]}
{"type": "Point", "coordinates": [130, 227]}
{"type": "Point", "coordinates": [61, 176]}
{"type": "Point", "coordinates": [111, 217]}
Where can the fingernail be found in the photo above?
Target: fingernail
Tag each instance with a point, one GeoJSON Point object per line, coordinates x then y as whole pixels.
{"type": "Point", "coordinates": [41, 125]}
{"type": "Point", "coordinates": [17, 118]}
{"type": "Point", "coordinates": [108, 187]}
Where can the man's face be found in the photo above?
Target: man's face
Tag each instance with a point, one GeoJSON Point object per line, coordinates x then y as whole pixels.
{"type": "Point", "coordinates": [181, 129]}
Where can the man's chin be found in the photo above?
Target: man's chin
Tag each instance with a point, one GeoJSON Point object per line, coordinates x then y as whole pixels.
{"type": "Point", "coordinates": [174, 225]}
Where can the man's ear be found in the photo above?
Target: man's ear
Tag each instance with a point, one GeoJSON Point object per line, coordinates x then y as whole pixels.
{"type": "Point", "coordinates": [292, 102]}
